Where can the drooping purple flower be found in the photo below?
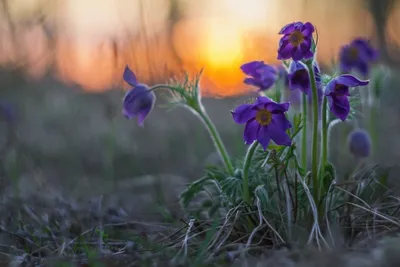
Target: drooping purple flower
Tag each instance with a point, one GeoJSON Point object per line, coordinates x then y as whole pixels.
{"type": "Point", "coordinates": [337, 93]}
{"type": "Point", "coordinates": [358, 55]}
{"type": "Point", "coordinates": [296, 41]}
{"type": "Point", "coordinates": [265, 120]}
{"type": "Point", "coordinates": [261, 75]}
{"type": "Point", "coordinates": [359, 143]}
{"type": "Point", "coordinates": [299, 77]}
{"type": "Point", "coordinates": [138, 101]}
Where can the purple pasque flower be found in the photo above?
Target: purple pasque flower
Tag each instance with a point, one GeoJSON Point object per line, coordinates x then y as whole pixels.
{"type": "Point", "coordinates": [138, 101]}
{"type": "Point", "coordinates": [337, 93]}
{"type": "Point", "coordinates": [261, 75]}
{"type": "Point", "coordinates": [299, 77]}
{"type": "Point", "coordinates": [357, 55]}
{"type": "Point", "coordinates": [359, 143]}
{"type": "Point", "coordinates": [296, 41]}
{"type": "Point", "coordinates": [265, 120]}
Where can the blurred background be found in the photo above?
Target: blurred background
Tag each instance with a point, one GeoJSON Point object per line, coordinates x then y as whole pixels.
{"type": "Point", "coordinates": [61, 64]}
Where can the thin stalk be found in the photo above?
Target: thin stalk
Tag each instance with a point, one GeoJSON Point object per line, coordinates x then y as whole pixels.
{"type": "Point", "coordinates": [314, 152]}
{"type": "Point", "coordinates": [304, 155]}
{"type": "Point", "coordinates": [217, 141]}
{"type": "Point", "coordinates": [246, 168]}
{"type": "Point", "coordinates": [324, 146]}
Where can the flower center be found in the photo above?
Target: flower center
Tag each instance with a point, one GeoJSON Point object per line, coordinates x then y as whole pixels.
{"type": "Point", "coordinates": [340, 89]}
{"type": "Point", "coordinates": [353, 53]}
{"type": "Point", "coordinates": [263, 117]}
{"type": "Point", "coordinates": [296, 38]}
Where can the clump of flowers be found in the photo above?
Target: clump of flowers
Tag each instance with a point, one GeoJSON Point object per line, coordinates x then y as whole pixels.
{"type": "Point", "coordinates": [275, 177]}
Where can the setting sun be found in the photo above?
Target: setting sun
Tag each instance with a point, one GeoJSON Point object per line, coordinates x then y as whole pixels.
{"type": "Point", "coordinates": [222, 47]}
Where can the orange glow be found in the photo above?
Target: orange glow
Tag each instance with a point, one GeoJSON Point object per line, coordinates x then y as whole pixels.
{"type": "Point", "coordinates": [96, 38]}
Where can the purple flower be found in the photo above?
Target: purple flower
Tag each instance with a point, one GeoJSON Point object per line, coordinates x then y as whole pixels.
{"type": "Point", "coordinates": [261, 75]}
{"type": "Point", "coordinates": [296, 41]}
{"type": "Point", "coordinates": [299, 77]}
{"type": "Point", "coordinates": [337, 93]}
{"type": "Point", "coordinates": [265, 120]}
{"type": "Point", "coordinates": [359, 143]}
{"type": "Point", "coordinates": [357, 55]}
{"type": "Point", "coordinates": [138, 101]}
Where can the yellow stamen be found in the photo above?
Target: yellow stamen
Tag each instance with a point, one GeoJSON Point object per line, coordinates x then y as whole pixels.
{"type": "Point", "coordinates": [264, 117]}
{"type": "Point", "coordinates": [296, 38]}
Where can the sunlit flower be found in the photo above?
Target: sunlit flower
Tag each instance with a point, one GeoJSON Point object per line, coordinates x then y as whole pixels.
{"type": "Point", "coordinates": [357, 55]}
{"type": "Point", "coordinates": [261, 75]}
{"type": "Point", "coordinates": [265, 120]}
{"type": "Point", "coordinates": [337, 93]}
{"type": "Point", "coordinates": [359, 143]}
{"type": "Point", "coordinates": [296, 41]}
{"type": "Point", "coordinates": [138, 101]}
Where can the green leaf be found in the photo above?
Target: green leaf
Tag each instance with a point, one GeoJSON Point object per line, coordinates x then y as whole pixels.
{"type": "Point", "coordinates": [193, 190]}
{"type": "Point", "coordinates": [232, 187]}
{"type": "Point", "coordinates": [262, 194]}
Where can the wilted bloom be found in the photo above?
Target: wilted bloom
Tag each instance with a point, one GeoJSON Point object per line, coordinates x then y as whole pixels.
{"type": "Point", "coordinates": [265, 120]}
{"type": "Point", "coordinates": [261, 75]}
{"type": "Point", "coordinates": [357, 55]}
{"type": "Point", "coordinates": [138, 101]}
{"type": "Point", "coordinates": [359, 143]}
{"type": "Point", "coordinates": [337, 93]}
{"type": "Point", "coordinates": [299, 77]}
{"type": "Point", "coordinates": [296, 41]}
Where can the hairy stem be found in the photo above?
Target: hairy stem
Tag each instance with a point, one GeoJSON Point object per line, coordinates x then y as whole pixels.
{"type": "Point", "coordinates": [219, 145]}
{"type": "Point", "coordinates": [324, 147]}
{"type": "Point", "coordinates": [314, 152]}
{"type": "Point", "coordinates": [246, 168]}
{"type": "Point", "coordinates": [304, 155]}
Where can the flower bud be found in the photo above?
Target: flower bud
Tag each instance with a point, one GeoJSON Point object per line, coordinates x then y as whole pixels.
{"type": "Point", "coordinates": [359, 143]}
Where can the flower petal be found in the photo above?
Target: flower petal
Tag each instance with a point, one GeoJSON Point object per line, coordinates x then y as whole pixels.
{"type": "Point", "coordinates": [243, 113]}
{"type": "Point", "coordinates": [251, 131]}
{"type": "Point", "coordinates": [285, 52]}
{"type": "Point", "coordinates": [339, 106]}
{"type": "Point", "coordinates": [263, 137]}
{"type": "Point", "coordinates": [129, 76]}
{"type": "Point", "coordinates": [307, 29]}
{"type": "Point", "coordinates": [351, 81]}
{"type": "Point", "coordinates": [288, 28]}
{"type": "Point", "coordinates": [277, 107]}
{"type": "Point", "coordinates": [251, 67]}
{"type": "Point", "coordinates": [280, 121]}
{"type": "Point", "coordinates": [278, 135]}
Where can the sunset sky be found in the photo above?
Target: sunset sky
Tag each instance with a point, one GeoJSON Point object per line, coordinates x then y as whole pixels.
{"type": "Point", "coordinates": [95, 39]}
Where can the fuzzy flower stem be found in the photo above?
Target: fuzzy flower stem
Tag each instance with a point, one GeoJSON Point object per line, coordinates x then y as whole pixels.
{"type": "Point", "coordinates": [304, 134]}
{"type": "Point", "coordinates": [324, 147]}
{"type": "Point", "coordinates": [216, 138]}
{"type": "Point", "coordinates": [246, 168]}
{"type": "Point", "coordinates": [314, 155]}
